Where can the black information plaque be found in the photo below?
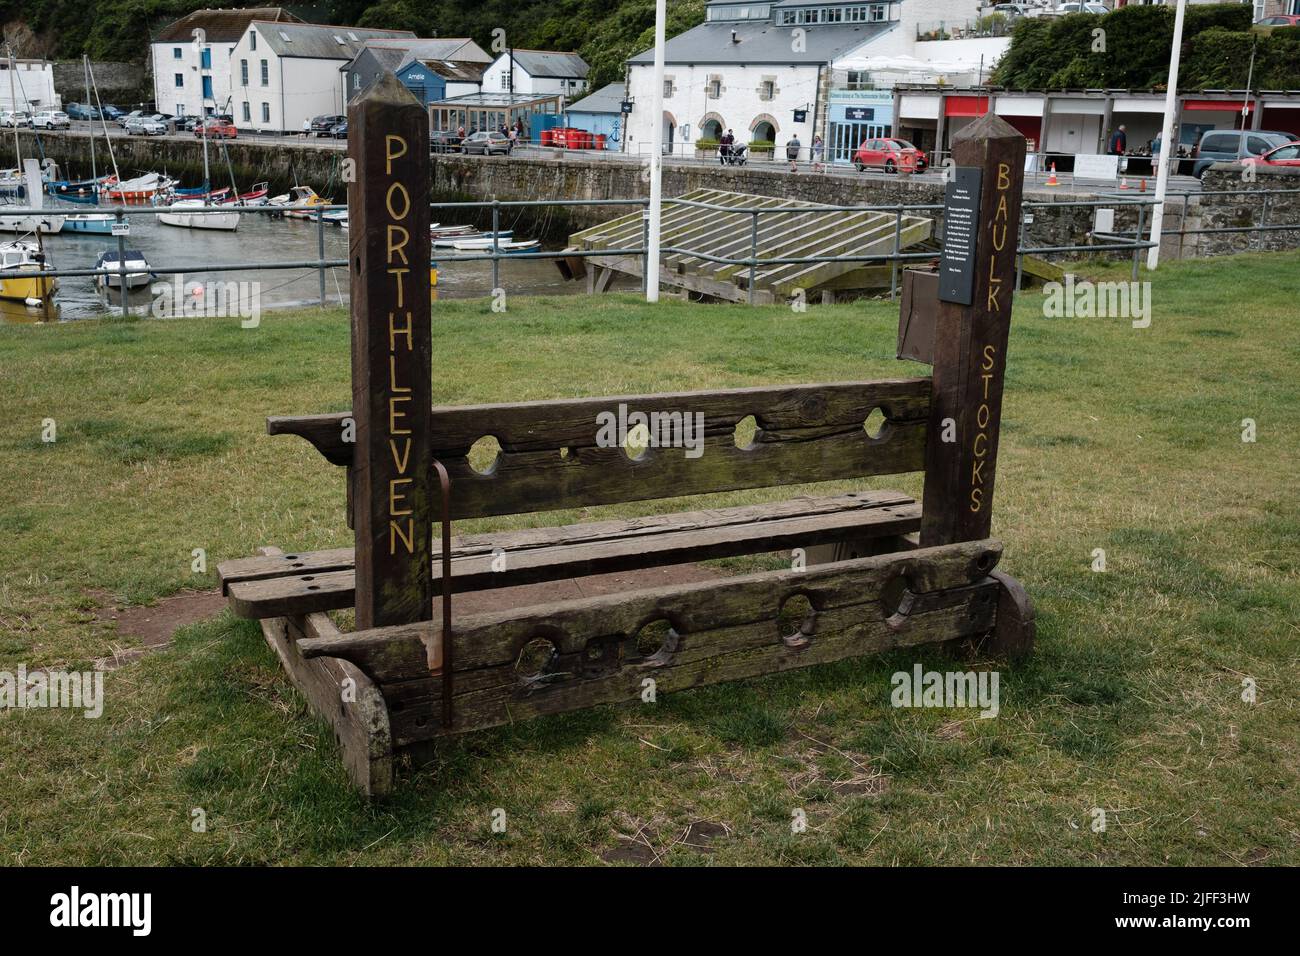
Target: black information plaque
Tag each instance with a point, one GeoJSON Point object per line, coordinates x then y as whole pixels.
{"type": "Point", "coordinates": [961, 220]}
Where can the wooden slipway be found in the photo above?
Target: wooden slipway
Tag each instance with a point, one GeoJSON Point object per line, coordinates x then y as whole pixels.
{"type": "Point", "coordinates": [694, 236]}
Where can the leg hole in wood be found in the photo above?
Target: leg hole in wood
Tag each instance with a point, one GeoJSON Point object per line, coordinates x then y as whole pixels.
{"type": "Point", "coordinates": [982, 564]}
{"type": "Point", "coordinates": [876, 424]}
{"type": "Point", "coordinates": [483, 455]}
{"type": "Point", "coordinates": [796, 623]}
{"type": "Point", "coordinates": [897, 600]}
{"type": "Point", "coordinates": [746, 432]}
{"type": "Point", "coordinates": [654, 643]}
{"type": "Point", "coordinates": [534, 659]}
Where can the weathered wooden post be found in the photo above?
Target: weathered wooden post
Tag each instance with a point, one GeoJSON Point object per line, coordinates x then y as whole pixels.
{"type": "Point", "coordinates": [976, 278]}
{"type": "Point", "coordinates": [391, 482]}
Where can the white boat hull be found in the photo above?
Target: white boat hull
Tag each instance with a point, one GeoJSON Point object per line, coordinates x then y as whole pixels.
{"type": "Point", "coordinates": [47, 225]}
{"type": "Point", "coordinates": [225, 221]}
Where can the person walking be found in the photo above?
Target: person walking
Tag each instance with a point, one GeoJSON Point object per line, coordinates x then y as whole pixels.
{"type": "Point", "coordinates": [818, 151]}
{"type": "Point", "coordinates": [725, 143]}
{"type": "Point", "coordinates": [306, 128]}
{"type": "Point", "coordinates": [792, 147]}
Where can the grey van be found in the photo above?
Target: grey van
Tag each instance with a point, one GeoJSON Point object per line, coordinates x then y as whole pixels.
{"type": "Point", "coordinates": [1230, 145]}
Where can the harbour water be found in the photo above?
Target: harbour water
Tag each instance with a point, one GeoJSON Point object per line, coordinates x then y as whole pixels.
{"type": "Point", "coordinates": [261, 239]}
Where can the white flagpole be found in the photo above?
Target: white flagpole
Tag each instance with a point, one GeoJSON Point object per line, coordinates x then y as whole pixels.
{"type": "Point", "coordinates": [1167, 145]}
{"type": "Point", "coordinates": [656, 159]}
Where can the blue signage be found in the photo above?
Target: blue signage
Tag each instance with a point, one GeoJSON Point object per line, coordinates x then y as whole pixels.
{"type": "Point", "coordinates": [862, 113]}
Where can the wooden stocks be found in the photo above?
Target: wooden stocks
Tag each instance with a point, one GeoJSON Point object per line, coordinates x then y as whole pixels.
{"type": "Point", "coordinates": [970, 348]}
{"type": "Point", "coordinates": [392, 484]}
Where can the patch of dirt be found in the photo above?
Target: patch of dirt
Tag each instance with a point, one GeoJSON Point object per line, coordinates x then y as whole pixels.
{"type": "Point", "coordinates": [153, 626]}
{"type": "Point", "coordinates": [634, 853]}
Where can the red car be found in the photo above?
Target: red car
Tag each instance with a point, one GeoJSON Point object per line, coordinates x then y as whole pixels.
{"type": "Point", "coordinates": [891, 155]}
{"type": "Point", "coordinates": [1288, 155]}
{"type": "Point", "coordinates": [216, 129]}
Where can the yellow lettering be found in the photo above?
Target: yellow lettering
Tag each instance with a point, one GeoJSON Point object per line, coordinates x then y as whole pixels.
{"type": "Point", "coordinates": [976, 496]}
{"type": "Point", "coordinates": [998, 241]}
{"type": "Point", "coordinates": [394, 496]}
{"type": "Point", "coordinates": [395, 532]}
{"type": "Point", "coordinates": [405, 460]}
{"type": "Point", "coordinates": [981, 437]}
{"type": "Point", "coordinates": [1004, 176]}
{"type": "Point", "coordinates": [393, 332]}
{"type": "Point", "coordinates": [406, 201]}
{"type": "Point", "coordinates": [989, 352]}
{"type": "Point", "coordinates": [399, 249]}
{"type": "Point", "coordinates": [389, 142]}
{"type": "Point", "coordinates": [982, 416]}
{"type": "Point", "coordinates": [401, 299]}
{"type": "Point", "coordinates": [394, 414]}
{"type": "Point", "coordinates": [392, 375]}
{"type": "Point", "coordinates": [1002, 211]}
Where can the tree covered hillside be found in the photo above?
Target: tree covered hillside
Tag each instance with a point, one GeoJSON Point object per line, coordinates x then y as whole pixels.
{"type": "Point", "coordinates": [605, 32]}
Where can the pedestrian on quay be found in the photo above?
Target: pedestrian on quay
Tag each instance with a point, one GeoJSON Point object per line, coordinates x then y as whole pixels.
{"type": "Point", "coordinates": [306, 128]}
{"type": "Point", "coordinates": [818, 151]}
{"type": "Point", "coordinates": [792, 148]}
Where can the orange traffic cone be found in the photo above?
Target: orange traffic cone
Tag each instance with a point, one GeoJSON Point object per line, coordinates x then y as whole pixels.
{"type": "Point", "coordinates": [1123, 182]}
{"type": "Point", "coordinates": [1051, 179]}
{"type": "Point", "coordinates": [1142, 185]}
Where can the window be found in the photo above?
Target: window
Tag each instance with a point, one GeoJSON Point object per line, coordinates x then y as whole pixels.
{"type": "Point", "coordinates": [668, 89]}
{"type": "Point", "coordinates": [180, 109]}
{"type": "Point", "coordinates": [243, 72]}
{"type": "Point", "coordinates": [266, 112]}
{"type": "Point", "coordinates": [252, 39]}
{"type": "Point", "coordinates": [248, 113]}
{"type": "Point", "coordinates": [878, 12]}
{"type": "Point", "coordinates": [715, 88]}
{"type": "Point", "coordinates": [180, 80]}
{"type": "Point", "coordinates": [176, 53]}
{"type": "Point", "coordinates": [266, 74]}
{"type": "Point", "coordinates": [767, 89]}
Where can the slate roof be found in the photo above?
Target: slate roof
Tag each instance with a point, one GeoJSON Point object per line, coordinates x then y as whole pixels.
{"type": "Point", "coordinates": [546, 63]}
{"type": "Point", "coordinates": [765, 42]}
{"type": "Point", "coordinates": [455, 49]}
{"type": "Point", "coordinates": [321, 41]}
{"type": "Point", "coordinates": [607, 99]}
{"type": "Point", "coordinates": [221, 26]}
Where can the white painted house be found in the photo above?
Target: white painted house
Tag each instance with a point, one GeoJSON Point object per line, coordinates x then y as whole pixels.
{"type": "Point", "coordinates": [191, 58]}
{"type": "Point", "coordinates": [766, 70]}
{"type": "Point", "coordinates": [30, 87]}
{"type": "Point", "coordinates": [537, 73]}
{"type": "Point", "coordinates": [287, 73]}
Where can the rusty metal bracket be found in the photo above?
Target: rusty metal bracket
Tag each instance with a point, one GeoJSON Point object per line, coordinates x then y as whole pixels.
{"type": "Point", "coordinates": [445, 481]}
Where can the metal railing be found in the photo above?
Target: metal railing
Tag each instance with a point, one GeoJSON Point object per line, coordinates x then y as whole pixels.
{"type": "Point", "coordinates": [1128, 242]}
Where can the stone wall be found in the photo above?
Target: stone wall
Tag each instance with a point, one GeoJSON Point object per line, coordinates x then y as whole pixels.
{"type": "Point", "coordinates": [116, 81]}
{"type": "Point", "coordinates": [1233, 201]}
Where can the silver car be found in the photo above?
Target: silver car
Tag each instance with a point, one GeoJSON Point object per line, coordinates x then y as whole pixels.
{"type": "Point", "coordinates": [145, 126]}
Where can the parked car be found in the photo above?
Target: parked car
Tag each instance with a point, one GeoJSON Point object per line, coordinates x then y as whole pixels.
{"type": "Point", "coordinates": [12, 118]}
{"type": "Point", "coordinates": [1288, 155]}
{"type": "Point", "coordinates": [891, 155]}
{"type": "Point", "coordinates": [339, 130]}
{"type": "Point", "coordinates": [215, 129]}
{"type": "Point", "coordinates": [321, 125]}
{"type": "Point", "coordinates": [444, 141]}
{"type": "Point", "coordinates": [111, 112]}
{"type": "Point", "coordinates": [79, 111]}
{"type": "Point", "coordinates": [134, 114]}
{"type": "Point", "coordinates": [1282, 20]}
{"type": "Point", "coordinates": [487, 142]}
{"type": "Point", "coordinates": [188, 123]}
{"type": "Point", "coordinates": [51, 119]}
{"type": "Point", "coordinates": [1234, 145]}
{"type": "Point", "coordinates": [145, 126]}
{"type": "Point", "coordinates": [1011, 10]}
{"type": "Point", "coordinates": [1095, 8]}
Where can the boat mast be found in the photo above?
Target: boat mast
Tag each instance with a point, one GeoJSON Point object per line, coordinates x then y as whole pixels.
{"type": "Point", "coordinates": [104, 123]}
{"type": "Point", "coordinates": [13, 105]}
{"type": "Point", "coordinates": [94, 176]}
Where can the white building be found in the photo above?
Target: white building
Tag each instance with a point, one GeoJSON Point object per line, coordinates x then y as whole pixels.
{"type": "Point", "coordinates": [191, 58]}
{"type": "Point", "coordinates": [766, 70]}
{"type": "Point", "coordinates": [30, 87]}
{"type": "Point", "coordinates": [287, 73]}
{"type": "Point", "coordinates": [537, 73]}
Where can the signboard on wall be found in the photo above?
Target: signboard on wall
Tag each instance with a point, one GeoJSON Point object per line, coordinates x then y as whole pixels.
{"type": "Point", "coordinates": [801, 116]}
{"type": "Point", "coordinates": [864, 114]}
{"type": "Point", "coordinates": [961, 216]}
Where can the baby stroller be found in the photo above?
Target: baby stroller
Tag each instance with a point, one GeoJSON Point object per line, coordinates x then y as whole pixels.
{"type": "Point", "coordinates": [732, 155]}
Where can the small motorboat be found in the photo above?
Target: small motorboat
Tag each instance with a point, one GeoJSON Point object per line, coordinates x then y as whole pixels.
{"type": "Point", "coordinates": [203, 192]}
{"type": "Point", "coordinates": [183, 213]}
{"type": "Point", "coordinates": [45, 223]}
{"type": "Point", "coordinates": [485, 245]}
{"type": "Point", "coordinates": [300, 196]}
{"type": "Point", "coordinates": [80, 188]}
{"type": "Point", "coordinates": [141, 190]}
{"type": "Point", "coordinates": [336, 217]}
{"type": "Point", "coordinates": [450, 241]}
{"type": "Point", "coordinates": [91, 223]}
{"type": "Point", "coordinates": [138, 272]}
{"type": "Point", "coordinates": [254, 197]}
{"type": "Point", "coordinates": [32, 287]}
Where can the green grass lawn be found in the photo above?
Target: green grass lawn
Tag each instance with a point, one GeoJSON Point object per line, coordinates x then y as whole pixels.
{"type": "Point", "coordinates": [1118, 438]}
